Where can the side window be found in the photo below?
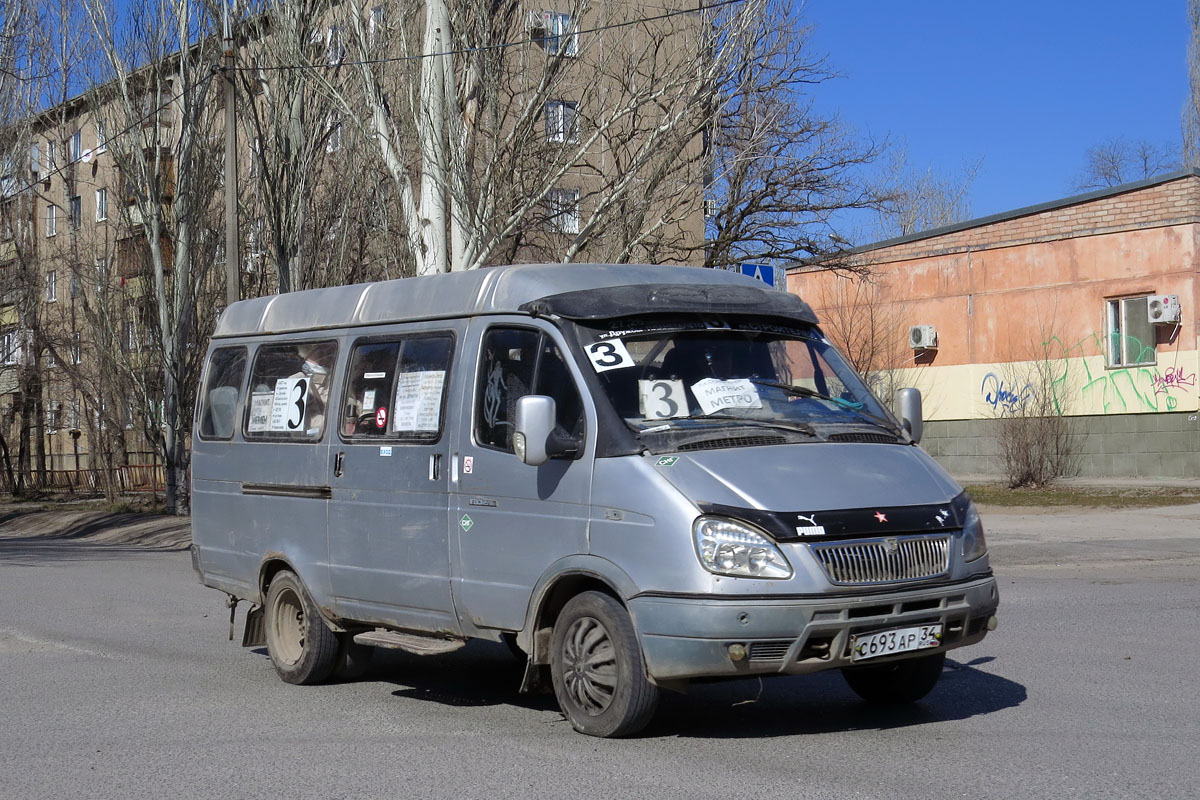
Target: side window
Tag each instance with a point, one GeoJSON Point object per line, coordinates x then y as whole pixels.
{"type": "Point", "coordinates": [218, 419]}
{"type": "Point", "coordinates": [289, 390]}
{"type": "Point", "coordinates": [397, 389]}
{"type": "Point", "coordinates": [517, 362]}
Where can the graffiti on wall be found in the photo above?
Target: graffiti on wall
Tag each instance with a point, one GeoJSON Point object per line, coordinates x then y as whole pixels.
{"type": "Point", "coordinates": [1002, 397]}
{"type": "Point", "coordinates": [1174, 378]}
{"type": "Point", "coordinates": [1121, 390]}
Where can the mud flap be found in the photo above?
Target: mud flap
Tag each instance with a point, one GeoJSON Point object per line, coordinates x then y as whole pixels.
{"type": "Point", "coordinates": [255, 634]}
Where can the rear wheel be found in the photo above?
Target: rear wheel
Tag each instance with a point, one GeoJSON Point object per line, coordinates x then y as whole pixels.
{"type": "Point", "coordinates": [896, 682]}
{"type": "Point", "coordinates": [597, 668]}
{"type": "Point", "coordinates": [303, 648]}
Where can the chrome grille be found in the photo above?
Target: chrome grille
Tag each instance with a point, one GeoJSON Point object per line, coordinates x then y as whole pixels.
{"type": "Point", "coordinates": [888, 560]}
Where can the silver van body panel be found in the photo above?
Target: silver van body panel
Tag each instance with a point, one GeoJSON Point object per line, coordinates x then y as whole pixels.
{"type": "Point", "coordinates": [812, 476]}
{"type": "Point", "coordinates": [494, 290]}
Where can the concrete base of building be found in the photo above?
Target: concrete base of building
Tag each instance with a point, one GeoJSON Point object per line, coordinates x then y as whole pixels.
{"type": "Point", "coordinates": [1113, 445]}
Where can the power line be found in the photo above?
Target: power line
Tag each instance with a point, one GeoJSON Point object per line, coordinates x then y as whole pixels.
{"type": "Point", "coordinates": [486, 47]}
{"type": "Point", "coordinates": [131, 126]}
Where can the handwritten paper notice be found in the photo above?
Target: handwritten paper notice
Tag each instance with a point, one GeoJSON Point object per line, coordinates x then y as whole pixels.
{"type": "Point", "coordinates": [714, 394]}
{"type": "Point", "coordinates": [418, 401]}
{"type": "Point", "coordinates": [260, 411]}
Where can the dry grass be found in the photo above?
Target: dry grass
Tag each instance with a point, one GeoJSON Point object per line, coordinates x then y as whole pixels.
{"type": "Point", "coordinates": [1063, 496]}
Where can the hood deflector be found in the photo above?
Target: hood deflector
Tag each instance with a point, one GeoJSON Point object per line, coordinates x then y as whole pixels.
{"type": "Point", "coordinates": [658, 298]}
{"type": "Point", "coordinates": [849, 523]}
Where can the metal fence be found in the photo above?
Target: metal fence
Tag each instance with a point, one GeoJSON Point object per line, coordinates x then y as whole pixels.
{"type": "Point", "coordinates": [129, 478]}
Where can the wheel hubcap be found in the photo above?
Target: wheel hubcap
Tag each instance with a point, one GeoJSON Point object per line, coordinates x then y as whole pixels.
{"type": "Point", "coordinates": [589, 665]}
{"type": "Point", "coordinates": [288, 627]}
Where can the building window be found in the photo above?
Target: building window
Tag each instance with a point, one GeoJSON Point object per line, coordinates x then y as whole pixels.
{"type": "Point", "coordinates": [51, 219]}
{"type": "Point", "coordinates": [35, 159]}
{"type": "Point", "coordinates": [12, 347]}
{"type": "Point", "coordinates": [561, 37]}
{"type": "Point", "coordinates": [51, 286]}
{"type": "Point", "coordinates": [1131, 338]}
{"type": "Point", "coordinates": [129, 341]}
{"type": "Point", "coordinates": [76, 212]}
{"type": "Point", "coordinates": [564, 210]}
{"type": "Point", "coordinates": [75, 146]}
{"type": "Point", "coordinates": [101, 137]}
{"type": "Point", "coordinates": [562, 121]}
{"type": "Point", "coordinates": [335, 49]}
{"type": "Point", "coordinates": [101, 205]}
{"type": "Point", "coordinates": [51, 156]}
{"type": "Point", "coordinates": [101, 272]}
{"type": "Point", "coordinates": [51, 361]}
{"type": "Point", "coordinates": [76, 349]}
{"type": "Point", "coordinates": [334, 141]}
{"type": "Point", "coordinates": [375, 24]}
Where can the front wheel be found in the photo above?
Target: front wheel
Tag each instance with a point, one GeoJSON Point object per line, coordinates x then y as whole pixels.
{"type": "Point", "coordinates": [597, 668]}
{"type": "Point", "coordinates": [896, 682]}
{"type": "Point", "coordinates": [303, 648]}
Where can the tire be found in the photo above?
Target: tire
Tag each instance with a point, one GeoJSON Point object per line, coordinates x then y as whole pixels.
{"type": "Point", "coordinates": [597, 668]}
{"type": "Point", "coordinates": [896, 682]}
{"type": "Point", "coordinates": [302, 648]}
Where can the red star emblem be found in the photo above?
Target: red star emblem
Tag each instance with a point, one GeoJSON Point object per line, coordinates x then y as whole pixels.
{"type": "Point", "coordinates": [882, 517]}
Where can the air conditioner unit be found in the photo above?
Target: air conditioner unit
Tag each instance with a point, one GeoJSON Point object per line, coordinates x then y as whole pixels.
{"type": "Point", "coordinates": [1163, 309]}
{"type": "Point", "coordinates": [922, 337]}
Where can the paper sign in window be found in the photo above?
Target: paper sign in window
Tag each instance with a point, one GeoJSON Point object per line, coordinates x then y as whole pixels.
{"type": "Point", "coordinates": [260, 411]}
{"type": "Point", "coordinates": [418, 404]}
{"type": "Point", "coordinates": [713, 394]}
{"type": "Point", "coordinates": [662, 399]}
{"type": "Point", "coordinates": [289, 404]}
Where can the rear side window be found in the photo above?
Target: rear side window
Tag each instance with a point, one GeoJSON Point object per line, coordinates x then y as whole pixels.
{"type": "Point", "coordinates": [218, 418]}
{"type": "Point", "coordinates": [396, 389]}
{"type": "Point", "coordinates": [289, 391]}
{"type": "Point", "coordinates": [517, 362]}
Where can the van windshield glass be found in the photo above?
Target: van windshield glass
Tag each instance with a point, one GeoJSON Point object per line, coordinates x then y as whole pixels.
{"type": "Point", "coordinates": [662, 375]}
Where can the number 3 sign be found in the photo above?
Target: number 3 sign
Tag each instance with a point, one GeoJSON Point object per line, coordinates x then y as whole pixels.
{"type": "Point", "coordinates": [609, 355]}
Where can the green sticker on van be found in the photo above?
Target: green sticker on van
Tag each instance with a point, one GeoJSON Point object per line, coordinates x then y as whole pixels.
{"type": "Point", "coordinates": [466, 522]}
{"type": "Point", "coordinates": [666, 461]}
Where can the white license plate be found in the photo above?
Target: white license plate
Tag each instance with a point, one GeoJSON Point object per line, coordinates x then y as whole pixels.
{"type": "Point", "coordinates": [900, 640]}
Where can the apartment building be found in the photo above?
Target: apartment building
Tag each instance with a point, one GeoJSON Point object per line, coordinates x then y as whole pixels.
{"type": "Point", "coordinates": [81, 366]}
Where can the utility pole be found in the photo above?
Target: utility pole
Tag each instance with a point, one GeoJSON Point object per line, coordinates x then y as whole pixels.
{"type": "Point", "coordinates": [232, 290]}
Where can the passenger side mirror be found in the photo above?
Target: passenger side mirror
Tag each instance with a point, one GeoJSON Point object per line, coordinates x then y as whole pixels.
{"type": "Point", "coordinates": [534, 425]}
{"type": "Point", "coordinates": [909, 403]}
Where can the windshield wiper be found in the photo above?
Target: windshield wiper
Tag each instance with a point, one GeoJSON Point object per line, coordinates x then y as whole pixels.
{"type": "Point", "coordinates": [855, 408]}
{"type": "Point", "coordinates": [727, 422]}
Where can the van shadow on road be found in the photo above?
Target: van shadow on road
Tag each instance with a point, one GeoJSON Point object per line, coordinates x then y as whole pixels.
{"type": "Point", "coordinates": [485, 674]}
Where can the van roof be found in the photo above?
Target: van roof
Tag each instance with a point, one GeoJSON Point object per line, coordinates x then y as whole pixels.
{"type": "Point", "coordinates": [492, 290]}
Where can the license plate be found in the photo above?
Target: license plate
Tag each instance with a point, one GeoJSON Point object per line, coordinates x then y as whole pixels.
{"type": "Point", "coordinates": [900, 640]}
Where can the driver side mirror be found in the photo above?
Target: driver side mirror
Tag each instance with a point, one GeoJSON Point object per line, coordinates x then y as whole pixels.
{"type": "Point", "coordinates": [908, 402]}
{"type": "Point", "coordinates": [535, 441]}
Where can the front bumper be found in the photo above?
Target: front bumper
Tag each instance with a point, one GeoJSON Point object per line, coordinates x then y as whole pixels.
{"type": "Point", "coordinates": [689, 637]}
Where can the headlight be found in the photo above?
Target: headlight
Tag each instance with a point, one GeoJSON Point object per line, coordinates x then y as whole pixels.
{"type": "Point", "coordinates": [974, 545]}
{"type": "Point", "coordinates": [726, 547]}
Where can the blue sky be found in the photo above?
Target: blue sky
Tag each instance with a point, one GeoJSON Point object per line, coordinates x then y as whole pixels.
{"type": "Point", "coordinates": [1027, 86]}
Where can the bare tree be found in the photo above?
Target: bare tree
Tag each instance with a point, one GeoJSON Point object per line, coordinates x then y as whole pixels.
{"type": "Point", "coordinates": [916, 200]}
{"type": "Point", "coordinates": [159, 97]}
{"type": "Point", "coordinates": [1119, 160]}
{"type": "Point", "coordinates": [779, 169]}
{"type": "Point", "coordinates": [864, 319]}
{"type": "Point", "coordinates": [1035, 438]}
{"type": "Point", "coordinates": [578, 142]}
{"type": "Point", "coordinates": [1191, 108]}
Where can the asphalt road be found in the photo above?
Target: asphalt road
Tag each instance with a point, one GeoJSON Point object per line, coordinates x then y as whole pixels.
{"type": "Point", "coordinates": [116, 680]}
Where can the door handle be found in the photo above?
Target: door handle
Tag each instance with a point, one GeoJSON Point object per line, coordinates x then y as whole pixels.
{"type": "Point", "coordinates": [338, 461]}
{"type": "Point", "coordinates": [435, 466]}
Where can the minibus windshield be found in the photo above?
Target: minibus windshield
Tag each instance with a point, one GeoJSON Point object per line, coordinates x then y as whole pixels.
{"type": "Point", "coordinates": [663, 375]}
